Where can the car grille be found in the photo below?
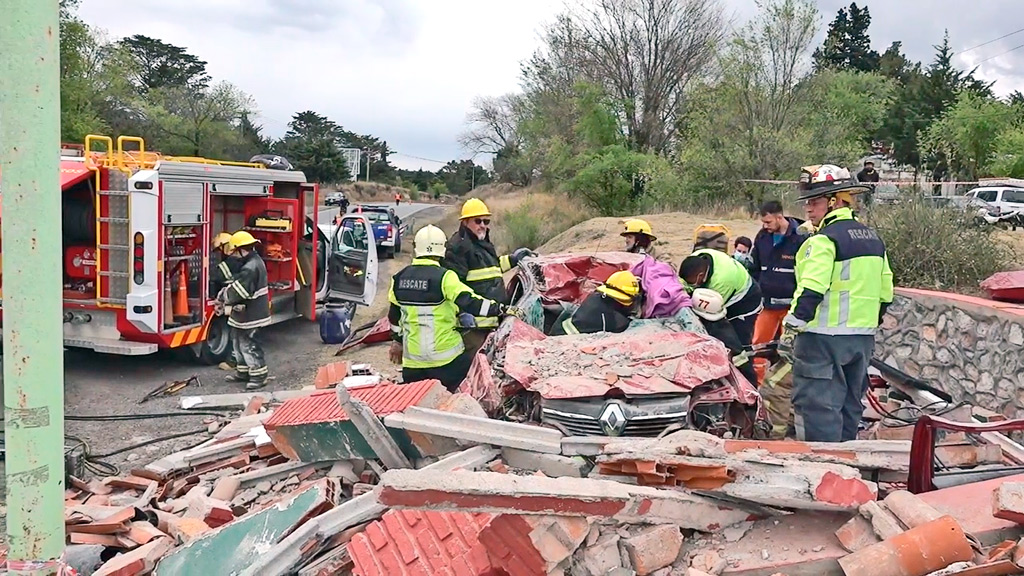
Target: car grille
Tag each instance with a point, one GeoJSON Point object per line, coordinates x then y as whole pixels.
{"type": "Point", "coordinates": [582, 425]}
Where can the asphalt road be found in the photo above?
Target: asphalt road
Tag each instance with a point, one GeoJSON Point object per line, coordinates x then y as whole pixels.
{"type": "Point", "coordinates": [98, 384]}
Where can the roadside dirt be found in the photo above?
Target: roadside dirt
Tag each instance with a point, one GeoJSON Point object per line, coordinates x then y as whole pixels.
{"type": "Point", "coordinates": [674, 231]}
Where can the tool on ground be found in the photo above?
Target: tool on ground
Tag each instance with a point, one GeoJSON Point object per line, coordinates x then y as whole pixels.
{"type": "Point", "coordinates": [171, 388]}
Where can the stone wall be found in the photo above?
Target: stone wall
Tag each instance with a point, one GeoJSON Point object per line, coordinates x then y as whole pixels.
{"type": "Point", "coordinates": [970, 347]}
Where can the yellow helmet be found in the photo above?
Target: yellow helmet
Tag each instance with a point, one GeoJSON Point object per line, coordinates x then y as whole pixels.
{"type": "Point", "coordinates": [241, 239]}
{"type": "Point", "coordinates": [222, 239]}
{"type": "Point", "coordinates": [474, 208]}
{"type": "Point", "coordinates": [638, 226]}
{"type": "Point", "coordinates": [623, 286]}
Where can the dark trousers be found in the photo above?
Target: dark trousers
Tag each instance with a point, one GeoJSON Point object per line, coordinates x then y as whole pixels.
{"type": "Point", "coordinates": [249, 359]}
{"type": "Point", "coordinates": [743, 314]}
{"type": "Point", "coordinates": [830, 378]}
{"type": "Point", "coordinates": [451, 374]}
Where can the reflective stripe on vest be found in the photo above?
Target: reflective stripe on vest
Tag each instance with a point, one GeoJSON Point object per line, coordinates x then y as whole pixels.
{"type": "Point", "coordinates": [569, 327]}
{"type": "Point", "coordinates": [425, 337]}
{"type": "Point", "coordinates": [483, 274]}
{"type": "Point", "coordinates": [838, 323]}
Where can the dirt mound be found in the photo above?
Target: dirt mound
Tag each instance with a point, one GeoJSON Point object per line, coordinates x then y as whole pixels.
{"type": "Point", "coordinates": [674, 231]}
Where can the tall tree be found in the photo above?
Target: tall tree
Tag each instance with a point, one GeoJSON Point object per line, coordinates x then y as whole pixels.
{"type": "Point", "coordinates": [313, 145]}
{"type": "Point", "coordinates": [198, 121]}
{"type": "Point", "coordinates": [847, 45]}
{"type": "Point", "coordinates": [164, 65]}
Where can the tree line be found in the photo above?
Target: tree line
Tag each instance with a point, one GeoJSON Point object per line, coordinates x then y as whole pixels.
{"type": "Point", "coordinates": [143, 86]}
{"type": "Point", "coordinates": [644, 104]}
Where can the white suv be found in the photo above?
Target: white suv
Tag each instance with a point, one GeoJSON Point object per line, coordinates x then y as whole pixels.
{"type": "Point", "coordinates": [1007, 199]}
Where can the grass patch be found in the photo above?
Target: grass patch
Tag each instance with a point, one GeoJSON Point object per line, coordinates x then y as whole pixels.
{"type": "Point", "coordinates": [535, 220]}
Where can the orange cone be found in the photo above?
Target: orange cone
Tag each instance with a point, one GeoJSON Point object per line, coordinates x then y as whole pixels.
{"type": "Point", "coordinates": [181, 298]}
{"type": "Point", "coordinates": [168, 302]}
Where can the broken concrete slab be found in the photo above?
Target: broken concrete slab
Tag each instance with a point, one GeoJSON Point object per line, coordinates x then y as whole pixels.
{"type": "Point", "coordinates": [288, 553]}
{"type": "Point", "coordinates": [552, 465]}
{"type": "Point", "coordinates": [530, 545]}
{"type": "Point", "coordinates": [509, 494]}
{"type": "Point", "coordinates": [768, 481]}
{"type": "Point", "coordinates": [911, 510]}
{"type": "Point", "coordinates": [654, 548]}
{"type": "Point", "coordinates": [372, 430]}
{"type": "Point", "coordinates": [883, 522]}
{"type": "Point", "coordinates": [476, 429]}
{"type": "Point", "coordinates": [247, 538]}
{"type": "Point", "coordinates": [601, 557]}
{"type": "Point", "coordinates": [240, 401]}
{"type": "Point", "coordinates": [139, 561]}
{"type": "Point", "coordinates": [277, 472]}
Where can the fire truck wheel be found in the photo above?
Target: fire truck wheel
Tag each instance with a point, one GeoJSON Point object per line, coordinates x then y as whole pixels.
{"type": "Point", "coordinates": [217, 347]}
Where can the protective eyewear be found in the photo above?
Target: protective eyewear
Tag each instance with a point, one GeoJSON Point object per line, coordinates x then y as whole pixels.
{"type": "Point", "coordinates": [483, 221]}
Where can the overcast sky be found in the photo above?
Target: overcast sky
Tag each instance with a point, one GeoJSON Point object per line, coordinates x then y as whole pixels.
{"type": "Point", "coordinates": [408, 70]}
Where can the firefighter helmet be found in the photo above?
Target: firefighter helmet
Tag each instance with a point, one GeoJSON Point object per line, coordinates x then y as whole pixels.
{"type": "Point", "coordinates": [241, 239]}
{"type": "Point", "coordinates": [221, 239]}
{"type": "Point", "coordinates": [638, 226]}
{"type": "Point", "coordinates": [827, 180]}
{"type": "Point", "coordinates": [474, 208]}
{"type": "Point", "coordinates": [708, 304]}
{"type": "Point", "coordinates": [429, 242]}
{"type": "Point", "coordinates": [623, 286]}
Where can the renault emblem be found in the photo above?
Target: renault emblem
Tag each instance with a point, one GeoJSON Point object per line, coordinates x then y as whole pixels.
{"type": "Point", "coordinates": [613, 419]}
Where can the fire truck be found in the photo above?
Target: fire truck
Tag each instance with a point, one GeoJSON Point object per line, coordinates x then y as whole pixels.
{"type": "Point", "coordinates": [137, 228]}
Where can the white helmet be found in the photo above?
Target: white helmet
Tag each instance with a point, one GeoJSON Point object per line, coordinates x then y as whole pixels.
{"type": "Point", "coordinates": [708, 304]}
{"type": "Point", "coordinates": [430, 241]}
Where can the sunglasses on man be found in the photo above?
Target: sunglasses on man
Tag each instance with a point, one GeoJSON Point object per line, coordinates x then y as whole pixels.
{"type": "Point", "coordinates": [483, 221]}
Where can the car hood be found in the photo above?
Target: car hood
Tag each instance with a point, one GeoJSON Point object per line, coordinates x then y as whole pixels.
{"type": "Point", "coordinates": [652, 359]}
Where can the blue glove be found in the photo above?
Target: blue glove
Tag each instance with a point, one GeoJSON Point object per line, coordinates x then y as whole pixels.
{"type": "Point", "coordinates": [467, 320]}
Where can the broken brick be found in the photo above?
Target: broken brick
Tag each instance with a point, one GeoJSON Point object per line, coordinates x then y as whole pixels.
{"type": "Point", "coordinates": [144, 532]}
{"type": "Point", "coordinates": [529, 545]}
{"type": "Point", "coordinates": [187, 529]}
{"type": "Point", "coordinates": [331, 375]}
{"type": "Point", "coordinates": [421, 542]}
{"type": "Point", "coordinates": [653, 548]}
{"type": "Point", "coordinates": [130, 483]}
{"type": "Point", "coordinates": [857, 533]}
{"type": "Point", "coordinates": [138, 561]}
{"type": "Point", "coordinates": [1008, 502]}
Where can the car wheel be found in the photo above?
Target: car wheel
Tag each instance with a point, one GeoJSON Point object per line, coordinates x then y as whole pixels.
{"type": "Point", "coordinates": [389, 252]}
{"type": "Point", "coordinates": [217, 346]}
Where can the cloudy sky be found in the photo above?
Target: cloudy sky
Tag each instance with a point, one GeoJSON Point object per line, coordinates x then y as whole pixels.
{"type": "Point", "coordinates": [408, 70]}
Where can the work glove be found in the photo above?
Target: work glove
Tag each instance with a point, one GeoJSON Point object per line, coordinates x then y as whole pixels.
{"type": "Point", "coordinates": [791, 326]}
{"type": "Point", "coordinates": [218, 308]}
{"type": "Point", "coordinates": [395, 353]}
{"type": "Point", "coordinates": [467, 320]}
{"type": "Point", "coordinates": [519, 255]}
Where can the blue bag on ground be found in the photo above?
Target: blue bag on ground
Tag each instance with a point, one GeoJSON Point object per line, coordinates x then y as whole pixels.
{"type": "Point", "coordinates": [336, 324]}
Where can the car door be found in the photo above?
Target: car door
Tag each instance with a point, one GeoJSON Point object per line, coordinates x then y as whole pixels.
{"type": "Point", "coordinates": [1012, 199]}
{"type": "Point", "coordinates": [352, 264]}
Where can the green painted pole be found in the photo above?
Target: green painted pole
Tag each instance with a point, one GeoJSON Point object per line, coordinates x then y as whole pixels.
{"type": "Point", "coordinates": [32, 316]}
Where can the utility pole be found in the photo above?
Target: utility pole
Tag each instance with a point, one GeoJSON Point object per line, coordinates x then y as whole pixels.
{"type": "Point", "coordinates": [32, 325]}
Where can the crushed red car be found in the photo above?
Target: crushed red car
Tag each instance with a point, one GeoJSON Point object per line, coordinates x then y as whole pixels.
{"type": "Point", "coordinates": [660, 375]}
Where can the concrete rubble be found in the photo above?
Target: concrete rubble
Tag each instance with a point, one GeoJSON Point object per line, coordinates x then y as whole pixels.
{"type": "Point", "coordinates": [370, 478]}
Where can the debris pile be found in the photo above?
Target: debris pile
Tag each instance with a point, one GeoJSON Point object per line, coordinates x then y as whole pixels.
{"type": "Point", "coordinates": [361, 476]}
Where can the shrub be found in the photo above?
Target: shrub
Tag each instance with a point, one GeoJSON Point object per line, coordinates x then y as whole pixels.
{"type": "Point", "coordinates": [938, 248]}
{"type": "Point", "coordinates": [534, 221]}
{"type": "Point", "coordinates": [437, 189]}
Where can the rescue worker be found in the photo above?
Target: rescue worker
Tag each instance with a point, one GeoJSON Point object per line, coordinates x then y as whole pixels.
{"type": "Point", "coordinates": [426, 301]}
{"type": "Point", "coordinates": [606, 309]}
{"type": "Point", "coordinates": [773, 258]}
{"type": "Point", "coordinates": [249, 299]}
{"type": "Point", "coordinates": [222, 265]}
{"type": "Point", "coordinates": [720, 272]}
{"type": "Point", "coordinates": [472, 256]}
{"type": "Point", "coordinates": [709, 306]}
{"type": "Point", "coordinates": [639, 237]}
{"type": "Point", "coordinates": [843, 287]}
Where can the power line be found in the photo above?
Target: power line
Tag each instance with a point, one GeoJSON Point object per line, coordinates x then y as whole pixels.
{"type": "Point", "coordinates": [1018, 47]}
{"type": "Point", "coordinates": [418, 158]}
{"type": "Point", "coordinates": [989, 42]}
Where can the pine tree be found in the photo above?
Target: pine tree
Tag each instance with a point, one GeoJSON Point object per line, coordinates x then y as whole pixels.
{"type": "Point", "coordinates": [847, 45]}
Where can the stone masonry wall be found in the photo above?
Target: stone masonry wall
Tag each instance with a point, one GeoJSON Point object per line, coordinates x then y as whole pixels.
{"type": "Point", "coordinates": [970, 347]}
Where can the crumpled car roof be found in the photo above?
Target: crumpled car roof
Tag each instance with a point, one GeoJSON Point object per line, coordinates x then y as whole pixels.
{"type": "Point", "coordinates": [652, 359]}
{"type": "Point", "coordinates": [572, 277]}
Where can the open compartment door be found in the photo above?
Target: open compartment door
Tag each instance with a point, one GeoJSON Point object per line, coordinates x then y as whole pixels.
{"type": "Point", "coordinates": [352, 263]}
{"type": "Point", "coordinates": [312, 254]}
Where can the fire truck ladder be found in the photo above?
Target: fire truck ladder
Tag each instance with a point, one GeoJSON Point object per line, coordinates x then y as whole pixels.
{"type": "Point", "coordinates": [113, 241]}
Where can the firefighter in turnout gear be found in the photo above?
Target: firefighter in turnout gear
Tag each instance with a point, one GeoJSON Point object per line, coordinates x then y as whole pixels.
{"type": "Point", "coordinates": [249, 299]}
{"type": "Point", "coordinates": [607, 309]}
{"type": "Point", "coordinates": [472, 256]}
{"type": "Point", "coordinates": [222, 265]}
{"type": "Point", "coordinates": [843, 287]}
{"type": "Point", "coordinates": [426, 301]}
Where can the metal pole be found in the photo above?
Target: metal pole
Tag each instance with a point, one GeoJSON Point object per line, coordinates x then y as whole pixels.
{"type": "Point", "coordinates": [32, 325]}
{"type": "Point", "coordinates": [367, 164]}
